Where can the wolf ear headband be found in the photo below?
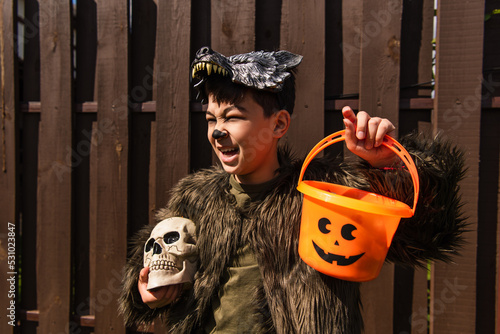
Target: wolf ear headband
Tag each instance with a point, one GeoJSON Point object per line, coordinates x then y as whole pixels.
{"type": "Point", "coordinates": [257, 69]}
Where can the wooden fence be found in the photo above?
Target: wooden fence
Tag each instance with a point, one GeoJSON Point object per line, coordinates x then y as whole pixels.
{"type": "Point", "coordinates": [99, 121]}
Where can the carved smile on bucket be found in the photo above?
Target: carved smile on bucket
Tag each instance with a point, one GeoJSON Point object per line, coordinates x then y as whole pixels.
{"type": "Point", "coordinates": [341, 260]}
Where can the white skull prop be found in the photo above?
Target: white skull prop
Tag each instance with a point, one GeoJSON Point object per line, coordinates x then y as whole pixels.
{"type": "Point", "coordinates": [171, 253]}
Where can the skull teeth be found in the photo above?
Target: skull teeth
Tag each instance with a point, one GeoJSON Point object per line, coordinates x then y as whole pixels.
{"type": "Point", "coordinates": [162, 265]}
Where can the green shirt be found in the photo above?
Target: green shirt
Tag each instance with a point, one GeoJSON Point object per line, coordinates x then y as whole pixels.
{"type": "Point", "coordinates": [233, 304]}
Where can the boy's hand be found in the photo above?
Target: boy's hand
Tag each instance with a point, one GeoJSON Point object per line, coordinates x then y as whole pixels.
{"type": "Point", "coordinates": [364, 137]}
{"type": "Point", "coordinates": [158, 297]}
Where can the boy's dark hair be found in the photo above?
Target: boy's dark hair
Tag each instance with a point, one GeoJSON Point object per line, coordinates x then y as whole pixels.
{"type": "Point", "coordinates": [224, 90]}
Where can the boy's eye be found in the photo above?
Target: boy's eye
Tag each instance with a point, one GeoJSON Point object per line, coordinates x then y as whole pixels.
{"type": "Point", "coordinates": [233, 118]}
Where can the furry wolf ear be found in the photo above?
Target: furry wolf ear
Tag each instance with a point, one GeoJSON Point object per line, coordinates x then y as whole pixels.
{"type": "Point", "coordinates": [287, 59]}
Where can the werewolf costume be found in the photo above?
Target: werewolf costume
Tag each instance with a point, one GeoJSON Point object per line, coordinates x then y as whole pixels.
{"type": "Point", "coordinates": [293, 297]}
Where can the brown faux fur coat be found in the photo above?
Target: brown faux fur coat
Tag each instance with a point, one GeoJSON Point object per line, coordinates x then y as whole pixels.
{"type": "Point", "coordinates": [295, 298]}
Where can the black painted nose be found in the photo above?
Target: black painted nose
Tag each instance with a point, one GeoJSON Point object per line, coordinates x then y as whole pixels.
{"type": "Point", "coordinates": [218, 134]}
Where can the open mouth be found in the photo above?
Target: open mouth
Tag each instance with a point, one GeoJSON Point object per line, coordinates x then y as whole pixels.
{"type": "Point", "coordinates": [229, 151]}
{"type": "Point", "coordinates": [341, 260]}
{"type": "Point", "coordinates": [228, 156]}
{"type": "Point", "coordinates": [209, 68]}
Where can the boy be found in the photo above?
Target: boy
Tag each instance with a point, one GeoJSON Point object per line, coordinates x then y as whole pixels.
{"type": "Point", "coordinates": [250, 278]}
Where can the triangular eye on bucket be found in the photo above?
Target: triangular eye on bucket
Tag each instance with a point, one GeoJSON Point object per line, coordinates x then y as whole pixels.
{"type": "Point", "coordinates": [372, 220]}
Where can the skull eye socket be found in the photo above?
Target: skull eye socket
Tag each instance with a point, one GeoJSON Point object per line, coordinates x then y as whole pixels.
{"type": "Point", "coordinates": [322, 225]}
{"type": "Point", "coordinates": [347, 230]}
{"type": "Point", "coordinates": [149, 245]}
{"type": "Point", "coordinates": [171, 237]}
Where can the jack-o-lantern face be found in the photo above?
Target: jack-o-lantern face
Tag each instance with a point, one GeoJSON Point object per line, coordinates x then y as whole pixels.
{"type": "Point", "coordinates": [345, 244]}
{"type": "Point", "coordinates": [347, 232]}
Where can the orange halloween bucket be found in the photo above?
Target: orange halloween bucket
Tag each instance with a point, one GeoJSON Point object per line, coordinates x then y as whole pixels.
{"type": "Point", "coordinates": [346, 232]}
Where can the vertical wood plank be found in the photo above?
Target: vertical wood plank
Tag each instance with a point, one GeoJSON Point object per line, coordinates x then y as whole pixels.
{"type": "Point", "coordinates": [8, 173]}
{"type": "Point", "coordinates": [233, 26]}
{"type": "Point", "coordinates": [419, 322]}
{"type": "Point", "coordinates": [172, 105]}
{"type": "Point", "coordinates": [380, 58]}
{"type": "Point", "coordinates": [352, 23]}
{"type": "Point", "coordinates": [377, 300]}
{"type": "Point", "coordinates": [457, 113]}
{"type": "Point", "coordinates": [112, 161]}
{"type": "Point", "coordinates": [379, 96]}
{"type": "Point", "coordinates": [303, 32]}
{"type": "Point", "coordinates": [55, 159]}
{"type": "Point", "coordinates": [352, 19]}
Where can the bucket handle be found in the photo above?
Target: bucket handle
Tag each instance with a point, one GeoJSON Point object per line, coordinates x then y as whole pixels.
{"type": "Point", "coordinates": [390, 142]}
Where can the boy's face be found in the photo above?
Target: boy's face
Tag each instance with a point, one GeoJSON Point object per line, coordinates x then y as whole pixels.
{"type": "Point", "coordinates": [248, 146]}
